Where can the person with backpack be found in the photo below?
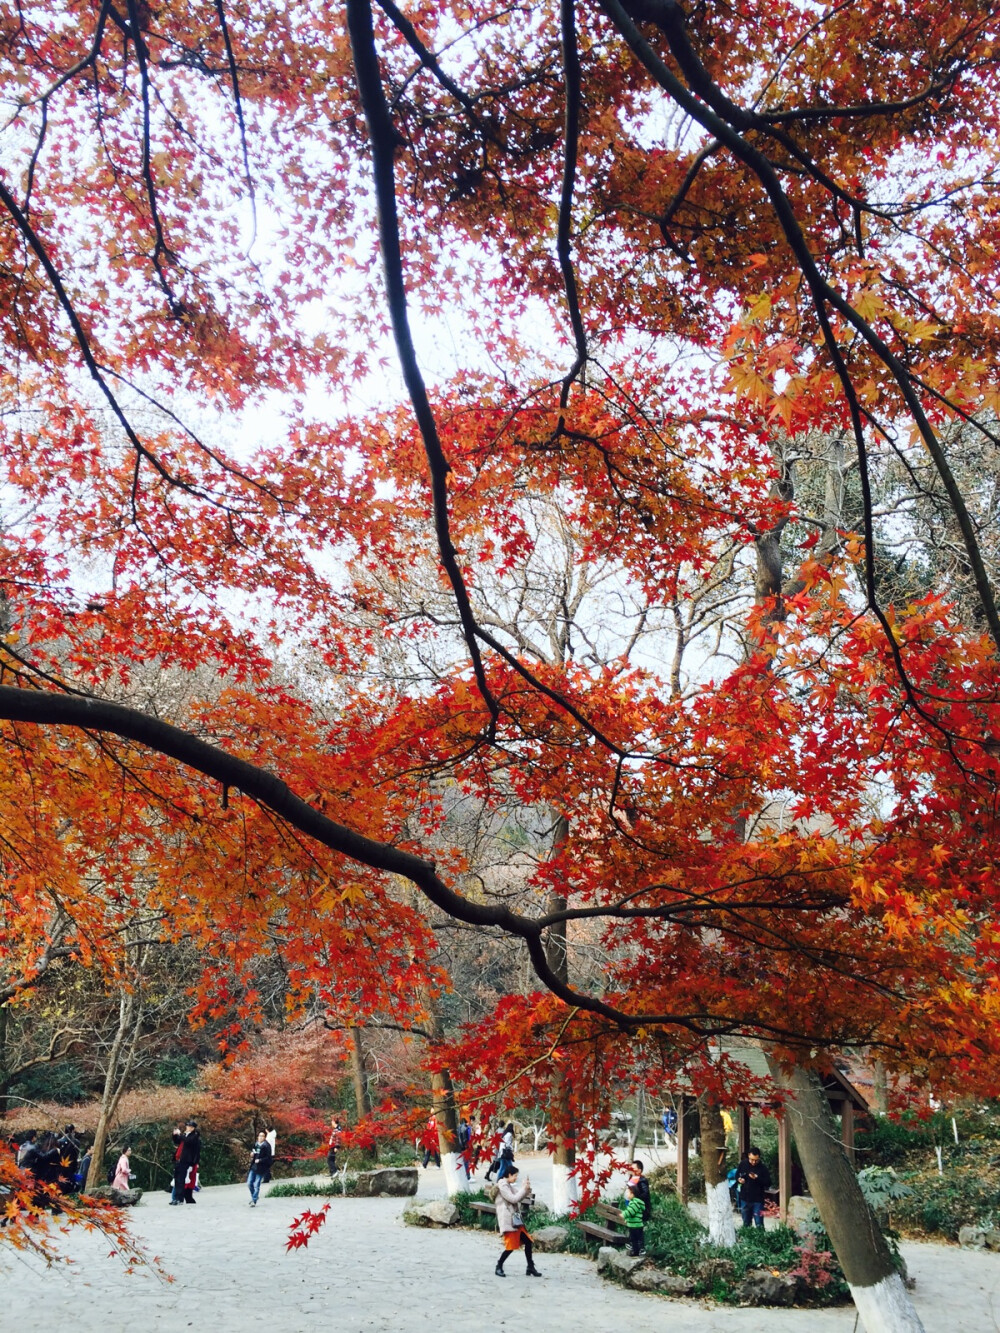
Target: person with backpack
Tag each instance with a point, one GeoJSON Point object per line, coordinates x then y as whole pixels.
{"type": "Point", "coordinates": [28, 1150]}
{"type": "Point", "coordinates": [260, 1167]}
{"type": "Point", "coordinates": [504, 1164]}
{"type": "Point", "coordinates": [753, 1179]}
{"type": "Point", "coordinates": [640, 1188]}
{"type": "Point", "coordinates": [464, 1144]}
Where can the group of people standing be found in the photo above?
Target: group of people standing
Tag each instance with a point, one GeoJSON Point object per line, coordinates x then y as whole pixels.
{"type": "Point", "coordinates": [55, 1159]}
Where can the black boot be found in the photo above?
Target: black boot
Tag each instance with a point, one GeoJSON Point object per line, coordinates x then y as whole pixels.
{"type": "Point", "coordinates": [499, 1269]}
{"type": "Point", "coordinates": [532, 1271]}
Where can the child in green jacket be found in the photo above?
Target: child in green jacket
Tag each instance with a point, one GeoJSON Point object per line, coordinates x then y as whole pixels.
{"type": "Point", "coordinates": [635, 1214]}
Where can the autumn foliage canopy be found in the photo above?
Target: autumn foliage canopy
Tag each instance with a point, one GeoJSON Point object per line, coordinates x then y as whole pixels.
{"type": "Point", "coordinates": [588, 409]}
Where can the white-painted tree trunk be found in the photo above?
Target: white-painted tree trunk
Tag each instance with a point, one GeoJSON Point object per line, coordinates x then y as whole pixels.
{"type": "Point", "coordinates": [455, 1179]}
{"type": "Point", "coordinates": [721, 1229]}
{"type": "Point", "coordinates": [564, 1189]}
{"type": "Point", "coordinates": [886, 1307]}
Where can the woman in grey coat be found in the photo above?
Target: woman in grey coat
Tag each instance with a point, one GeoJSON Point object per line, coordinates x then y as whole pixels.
{"type": "Point", "coordinates": [510, 1198]}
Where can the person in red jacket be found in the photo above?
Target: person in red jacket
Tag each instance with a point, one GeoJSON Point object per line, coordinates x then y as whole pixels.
{"type": "Point", "coordinates": [431, 1146]}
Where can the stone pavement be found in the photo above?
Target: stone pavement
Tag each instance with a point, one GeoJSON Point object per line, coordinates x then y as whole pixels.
{"type": "Point", "coordinates": [367, 1273]}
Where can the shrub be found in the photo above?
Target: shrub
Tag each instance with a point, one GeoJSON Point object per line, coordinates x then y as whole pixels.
{"type": "Point", "coordinates": [309, 1189]}
{"type": "Point", "coordinates": [888, 1142]}
{"type": "Point", "coordinates": [177, 1071]}
{"type": "Point", "coordinates": [941, 1205]}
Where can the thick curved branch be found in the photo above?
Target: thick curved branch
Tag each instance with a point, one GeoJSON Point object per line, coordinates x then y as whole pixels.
{"type": "Point", "coordinates": [384, 141]}
{"type": "Point", "coordinates": [94, 715]}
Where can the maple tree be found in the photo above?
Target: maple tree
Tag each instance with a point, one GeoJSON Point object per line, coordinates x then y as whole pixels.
{"type": "Point", "coordinates": [675, 249]}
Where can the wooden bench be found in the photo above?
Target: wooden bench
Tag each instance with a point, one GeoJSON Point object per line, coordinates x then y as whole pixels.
{"type": "Point", "coordinates": [605, 1235]}
{"type": "Point", "coordinates": [485, 1211]}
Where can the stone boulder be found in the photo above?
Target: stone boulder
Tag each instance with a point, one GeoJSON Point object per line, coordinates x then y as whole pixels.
{"type": "Point", "coordinates": [710, 1269]}
{"type": "Point", "coordinates": [800, 1209]}
{"type": "Point", "coordinates": [394, 1181]}
{"type": "Point", "coordinates": [604, 1256]}
{"type": "Point", "coordinates": [550, 1238]}
{"type": "Point", "coordinates": [436, 1213]}
{"type": "Point", "coordinates": [993, 1239]}
{"type": "Point", "coordinates": [656, 1279]}
{"type": "Point", "coordinates": [619, 1264]}
{"type": "Point", "coordinates": [120, 1198]}
{"type": "Point", "coordinates": [762, 1287]}
{"type": "Point", "coordinates": [972, 1238]}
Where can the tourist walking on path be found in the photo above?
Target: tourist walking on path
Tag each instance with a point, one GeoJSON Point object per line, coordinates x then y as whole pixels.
{"type": "Point", "coordinates": [511, 1197]}
{"type": "Point", "coordinates": [332, 1146]}
{"type": "Point", "coordinates": [753, 1178]}
{"type": "Point", "coordinates": [260, 1167]}
{"type": "Point", "coordinates": [505, 1159]}
{"type": "Point", "coordinates": [464, 1141]}
{"type": "Point", "coordinates": [634, 1212]}
{"type": "Point", "coordinates": [475, 1144]}
{"type": "Point", "coordinates": [123, 1171]}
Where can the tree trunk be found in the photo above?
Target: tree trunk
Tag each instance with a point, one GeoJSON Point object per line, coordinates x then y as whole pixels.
{"type": "Point", "coordinates": [878, 1290]}
{"type": "Point", "coordinates": [712, 1131]}
{"type": "Point", "coordinates": [638, 1122]}
{"type": "Point", "coordinates": [116, 1075]}
{"type": "Point", "coordinates": [880, 1095]}
{"type": "Point", "coordinates": [5, 1080]}
{"type": "Point", "coordinates": [359, 1078]}
{"type": "Point", "coordinates": [446, 1115]}
{"type": "Point", "coordinates": [565, 1193]}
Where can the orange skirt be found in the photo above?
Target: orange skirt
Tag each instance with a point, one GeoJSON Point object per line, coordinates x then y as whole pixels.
{"type": "Point", "coordinates": [512, 1240]}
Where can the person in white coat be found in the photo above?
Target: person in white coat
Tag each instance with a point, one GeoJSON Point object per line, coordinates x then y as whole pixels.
{"type": "Point", "coordinates": [511, 1195]}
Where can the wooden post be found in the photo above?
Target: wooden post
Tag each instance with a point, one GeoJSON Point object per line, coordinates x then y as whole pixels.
{"type": "Point", "coordinates": [744, 1131]}
{"type": "Point", "coordinates": [784, 1166]}
{"type": "Point", "coordinates": [847, 1128]}
{"type": "Point", "coordinates": [682, 1150]}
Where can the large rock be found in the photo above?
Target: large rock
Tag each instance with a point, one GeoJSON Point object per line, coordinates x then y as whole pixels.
{"type": "Point", "coordinates": [436, 1213]}
{"type": "Point", "coordinates": [550, 1238]}
{"type": "Point", "coordinates": [604, 1256]}
{"type": "Point", "coordinates": [395, 1181]}
{"type": "Point", "coordinates": [655, 1279]}
{"type": "Point", "coordinates": [993, 1239]}
{"type": "Point", "coordinates": [621, 1265]}
{"type": "Point", "coordinates": [800, 1209]}
{"type": "Point", "coordinates": [972, 1238]}
{"type": "Point", "coordinates": [120, 1198]}
{"type": "Point", "coordinates": [762, 1287]}
{"type": "Point", "coordinates": [710, 1269]}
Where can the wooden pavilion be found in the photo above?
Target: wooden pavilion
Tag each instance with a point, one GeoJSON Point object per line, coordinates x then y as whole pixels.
{"type": "Point", "coordinates": [844, 1098]}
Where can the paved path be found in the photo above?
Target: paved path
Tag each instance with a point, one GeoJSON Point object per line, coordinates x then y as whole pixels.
{"type": "Point", "coordinates": [367, 1273]}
